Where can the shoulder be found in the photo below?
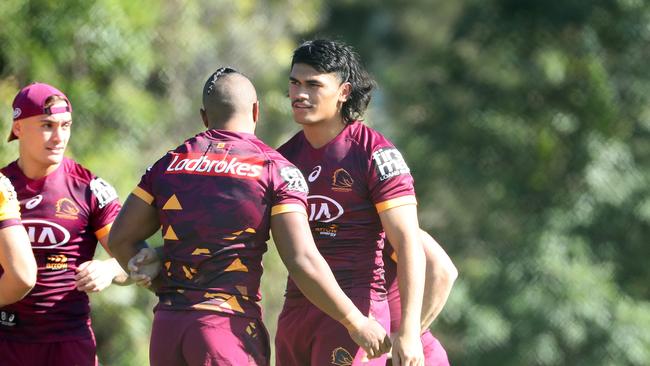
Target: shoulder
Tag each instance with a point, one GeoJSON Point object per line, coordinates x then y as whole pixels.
{"type": "Point", "coordinates": [291, 145]}
{"type": "Point", "coordinates": [367, 137]}
{"type": "Point", "coordinates": [77, 172]}
{"type": "Point", "coordinates": [273, 156]}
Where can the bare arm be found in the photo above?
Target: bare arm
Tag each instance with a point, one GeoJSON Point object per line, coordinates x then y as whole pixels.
{"type": "Point", "coordinates": [440, 276]}
{"type": "Point", "coordinates": [313, 276]}
{"type": "Point", "coordinates": [401, 226]}
{"type": "Point", "coordinates": [17, 260]}
{"type": "Point", "coordinates": [120, 276]}
{"type": "Point", "coordinates": [97, 274]}
{"type": "Point", "coordinates": [136, 222]}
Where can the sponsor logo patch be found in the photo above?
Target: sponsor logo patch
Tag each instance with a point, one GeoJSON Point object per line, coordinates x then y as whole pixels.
{"type": "Point", "coordinates": [323, 208]}
{"type": "Point", "coordinates": [341, 357]}
{"type": "Point", "coordinates": [34, 202]}
{"type": "Point", "coordinates": [215, 165]}
{"type": "Point", "coordinates": [342, 181]}
{"type": "Point", "coordinates": [314, 173]}
{"type": "Point", "coordinates": [327, 230]}
{"type": "Point", "coordinates": [17, 112]}
{"type": "Point", "coordinates": [44, 234]}
{"type": "Point", "coordinates": [66, 209]}
{"type": "Point", "coordinates": [57, 262]}
{"type": "Point", "coordinates": [389, 163]}
{"type": "Point", "coordinates": [104, 192]}
{"type": "Point", "coordinates": [295, 180]}
{"type": "Point", "coordinates": [8, 319]}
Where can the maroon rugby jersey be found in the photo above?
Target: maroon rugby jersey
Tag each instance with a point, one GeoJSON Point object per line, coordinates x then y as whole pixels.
{"type": "Point", "coordinates": [215, 195]}
{"type": "Point", "coordinates": [64, 213]}
{"type": "Point", "coordinates": [352, 178]}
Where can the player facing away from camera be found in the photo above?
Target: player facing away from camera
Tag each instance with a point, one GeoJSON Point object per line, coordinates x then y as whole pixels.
{"type": "Point", "coordinates": [216, 196]}
{"type": "Point", "coordinates": [65, 209]}
{"type": "Point", "coordinates": [17, 264]}
{"type": "Point", "coordinates": [359, 188]}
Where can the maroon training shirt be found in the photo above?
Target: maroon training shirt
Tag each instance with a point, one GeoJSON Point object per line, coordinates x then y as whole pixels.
{"type": "Point", "coordinates": [215, 195]}
{"type": "Point", "coordinates": [351, 179]}
{"type": "Point", "coordinates": [64, 214]}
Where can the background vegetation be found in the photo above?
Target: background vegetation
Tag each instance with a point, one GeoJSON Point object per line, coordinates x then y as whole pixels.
{"type": "Point", "coordinates": [525, 123]}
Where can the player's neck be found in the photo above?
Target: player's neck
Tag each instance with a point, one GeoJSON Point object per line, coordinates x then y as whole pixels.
{"type": "Point", "coordinates": [34, 170]}
{"type": "Point", "coordinates": [321, 133]}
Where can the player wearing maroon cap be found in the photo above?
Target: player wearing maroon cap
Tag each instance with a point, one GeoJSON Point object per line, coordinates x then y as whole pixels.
{"type": "Point", "coordinates": [16, 257]}
{"type": "Point", "coordinates": [216, 196]}
{"type": "Point", "coordinates": [66, 210]}
{"type": "Point", "coordinates": [359, 186]}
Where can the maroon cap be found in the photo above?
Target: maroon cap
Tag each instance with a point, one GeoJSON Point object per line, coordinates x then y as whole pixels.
{"type": "Point", "coordinates": [30, 102]}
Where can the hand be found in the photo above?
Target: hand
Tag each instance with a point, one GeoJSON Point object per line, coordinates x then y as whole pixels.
{"type": "Point", "coordinates": [407, 351]}
{"type": "Point", "coordinates": [144, 267]}
{"type": "Point", "coordinates": [95, 275]}
{"type": "Point", "coordinates": [369, 335]}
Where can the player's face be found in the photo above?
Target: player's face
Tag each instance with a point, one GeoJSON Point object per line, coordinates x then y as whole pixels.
{"type": "Point", "coordinates": [43, 138]}
{"type": "Point", "coordinates": [315, 96]}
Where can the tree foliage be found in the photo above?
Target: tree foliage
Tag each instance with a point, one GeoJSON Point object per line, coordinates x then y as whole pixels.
{"type": "Point", "coordinates": [525, 124]}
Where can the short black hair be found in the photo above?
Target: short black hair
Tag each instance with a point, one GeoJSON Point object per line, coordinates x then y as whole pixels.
{"type": "Point", "coordinates": [328, 56]}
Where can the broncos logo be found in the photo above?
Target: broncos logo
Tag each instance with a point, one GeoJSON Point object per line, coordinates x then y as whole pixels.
{"type": "Point", "coordinates": [341, 357]}
{"type": "Point", "coordinates": [342, 181]}
{"type": "Point", "coordinates": [66, 208]}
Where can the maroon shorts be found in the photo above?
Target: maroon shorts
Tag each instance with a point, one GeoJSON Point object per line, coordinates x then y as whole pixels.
{"type": "Point", "coordinates": [207, 338]}
{"type": "Point", "coordinates": [81, 352]}
{"type": "Point", "coordinates": [307, 336]}
{"type": "Point", "coordinates": [434, 353]}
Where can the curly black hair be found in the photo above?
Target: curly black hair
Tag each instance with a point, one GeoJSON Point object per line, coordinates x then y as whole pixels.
{"type": "Point", "coordinates": [328, 56]}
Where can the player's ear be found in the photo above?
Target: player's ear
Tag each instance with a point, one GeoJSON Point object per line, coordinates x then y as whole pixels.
{"type": "Point", "coordinates": [346, 90]}
{"type": "Point", "coordinates": [204, 117]}
{"type": "Point", "coordinates": [256, 111]}
{"type": "Point", "coordinates": [16, 128]}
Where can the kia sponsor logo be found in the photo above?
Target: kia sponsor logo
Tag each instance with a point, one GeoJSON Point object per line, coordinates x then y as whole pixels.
{"type": "Point", "coordinates": [323, 208]}
{"type": "Point", "coordinates": [215, 165]}
{"type": "Point", "coordinates": [45, 234]}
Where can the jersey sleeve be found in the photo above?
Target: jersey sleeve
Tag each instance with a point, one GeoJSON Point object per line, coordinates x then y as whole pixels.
{"type": "Point", "coordinates": [144, 189]}
{"type": "Point", "coordinates": [105, 206]}
{"type": "Point", "coordinates": [389, 178]}
{"type": "Point", "coordinates": [289, 188]}
{"type": "Point", "coordinates": [9, 206]}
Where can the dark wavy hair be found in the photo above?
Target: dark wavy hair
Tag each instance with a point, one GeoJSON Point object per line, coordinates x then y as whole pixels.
{"type": "Point", "coordinates": [332, 56]}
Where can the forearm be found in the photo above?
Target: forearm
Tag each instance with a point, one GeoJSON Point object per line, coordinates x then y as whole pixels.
{"type": "Point", "coordinates": [124, 250]}
{"type": "Point", "coordinates": [120, 276]}
{"type": "Point", "coordinates": [308, 268]}
{"type": "Point", "coordinates": [410, 268]}
{"type": "Point", "coordinates": [316, 281]}
{"type": "Point", "coordinates": [13, 288]}
{"type": "Point", "coordinates": [402, 230]}
{"type": "Point", "coordinates": [440, 276]}
{"type": "Point", "coordinates": [438, 285]}
{"type": "Point", "coordinates": [17, 260]}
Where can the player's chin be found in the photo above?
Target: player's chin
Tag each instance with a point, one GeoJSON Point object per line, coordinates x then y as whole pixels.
{"type": "Point", "coordinates": [54, 158]}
